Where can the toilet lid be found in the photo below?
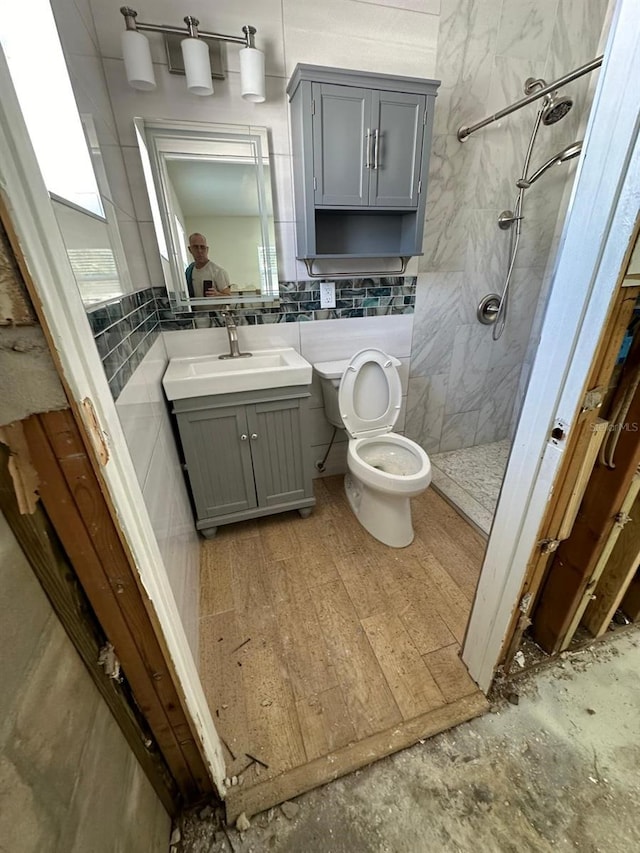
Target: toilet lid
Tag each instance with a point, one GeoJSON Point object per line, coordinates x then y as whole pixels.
{"type": "Point", "coordinates": [370, 394]}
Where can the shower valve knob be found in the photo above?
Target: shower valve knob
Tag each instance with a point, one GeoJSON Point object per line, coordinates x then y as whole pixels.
{"type": "Point", "coordinates": [488, 309]}
{"type": "Point", "coordinates": [506, 219]}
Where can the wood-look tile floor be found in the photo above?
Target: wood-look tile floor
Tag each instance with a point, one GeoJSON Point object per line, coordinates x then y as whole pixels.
{"type": "Point", "coordinates": [322, 650]}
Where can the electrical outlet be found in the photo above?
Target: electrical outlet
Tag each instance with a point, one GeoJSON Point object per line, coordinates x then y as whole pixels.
{"type": "Point", "coordinates": [327, 294]}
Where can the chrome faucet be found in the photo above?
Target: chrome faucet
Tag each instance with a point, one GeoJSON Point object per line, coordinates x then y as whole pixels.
{"type": "Point", "coordinates": [232, 333]}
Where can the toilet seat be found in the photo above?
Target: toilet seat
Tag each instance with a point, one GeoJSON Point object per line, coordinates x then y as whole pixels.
{"type": "Point", "coordinates": [370, 394]}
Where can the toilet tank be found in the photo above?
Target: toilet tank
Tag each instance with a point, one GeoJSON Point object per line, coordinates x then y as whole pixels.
{"type": "Point", "coordinates": [330, 373]}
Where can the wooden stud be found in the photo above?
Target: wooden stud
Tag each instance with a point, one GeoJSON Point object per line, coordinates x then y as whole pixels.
{"type": "Point", "coordinates": [617, 574]}
{"type": "Point", "coordinates": [540, 562]}
{"type": "Point", "coordinates": [38, 540]}
{"type": "Point", "coordinates": [577, 558]}
{"type": "Point", "coordinates": [630, 604]}
{"type": "Point", "coordinates": [135, 633]}
{"type": "Point", "coordinates": [588, 447]}
{"type": "Point", "coordinates": [75, 503]}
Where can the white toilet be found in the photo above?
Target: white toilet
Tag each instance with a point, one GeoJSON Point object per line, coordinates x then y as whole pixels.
{"type": "Point", "coordinates": [385, 469]}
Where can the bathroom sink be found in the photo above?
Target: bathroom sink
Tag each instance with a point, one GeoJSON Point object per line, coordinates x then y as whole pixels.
{"type": "Point", "coordinates": [198, 376]}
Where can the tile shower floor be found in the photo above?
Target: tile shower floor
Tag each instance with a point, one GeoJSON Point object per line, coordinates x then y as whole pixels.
{"type": "Point", "coordinates": [470, 479]}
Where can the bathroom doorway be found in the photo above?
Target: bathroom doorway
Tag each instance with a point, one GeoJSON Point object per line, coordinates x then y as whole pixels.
{"type": "Point", "coordinates": [528, 480]}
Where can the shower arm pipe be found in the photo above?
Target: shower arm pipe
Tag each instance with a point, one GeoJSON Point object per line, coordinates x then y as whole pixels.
{"type": "Point", "coordinates": [465, 131]}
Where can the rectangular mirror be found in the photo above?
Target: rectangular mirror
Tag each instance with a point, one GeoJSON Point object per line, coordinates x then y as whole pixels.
{"type": "Point", "coordinates": [212, 181]}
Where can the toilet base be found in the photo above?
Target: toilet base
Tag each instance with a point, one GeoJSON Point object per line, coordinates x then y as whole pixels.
{"type": "Point", "coordinates": [386, 517]}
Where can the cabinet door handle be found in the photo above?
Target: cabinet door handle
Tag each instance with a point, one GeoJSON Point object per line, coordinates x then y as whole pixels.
{"type": "Point", "coordinates": [376, 147]}
{"type": "Point", "coordinates": [254, 435]}
{"type": "Point", "coordinates": [367, 162]}
{"type": "Point", "coordinates": [244, 437]}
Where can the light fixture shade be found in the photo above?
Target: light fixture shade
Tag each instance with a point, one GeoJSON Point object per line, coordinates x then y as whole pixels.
{"type": "Point", "coordinates": [197, 66]}
{"type": "Point", "coordinates": [252, 74]}
{"type": "Point", "coordinates": [137, 61]}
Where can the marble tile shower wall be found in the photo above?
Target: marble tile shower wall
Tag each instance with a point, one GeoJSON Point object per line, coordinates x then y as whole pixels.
{"type": "Point", "coordinates": [463, 385]}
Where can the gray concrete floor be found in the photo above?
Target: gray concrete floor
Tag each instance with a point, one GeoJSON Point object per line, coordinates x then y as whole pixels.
{"type": "Point", "coordinates": [559, 771]}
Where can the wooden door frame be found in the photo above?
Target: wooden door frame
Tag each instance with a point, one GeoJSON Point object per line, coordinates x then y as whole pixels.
{"type": "Point", "coordinates": [62, 315]}
{"type": "Point", "coordinates": [595, 239]}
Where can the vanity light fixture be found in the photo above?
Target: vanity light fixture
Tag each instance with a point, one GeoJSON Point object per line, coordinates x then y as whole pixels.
{"type": "Point", "coordinates": [195, 49]}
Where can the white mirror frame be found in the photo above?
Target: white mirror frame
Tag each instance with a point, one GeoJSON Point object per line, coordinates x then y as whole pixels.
{"type": "Point", "coordinates": [160, 140]}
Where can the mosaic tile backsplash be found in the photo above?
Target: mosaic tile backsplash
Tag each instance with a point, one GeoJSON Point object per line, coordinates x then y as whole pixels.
{"type": "Point", "coordinates": [300, 302]}
{"type": "Point", "coordinates": [125, 329]}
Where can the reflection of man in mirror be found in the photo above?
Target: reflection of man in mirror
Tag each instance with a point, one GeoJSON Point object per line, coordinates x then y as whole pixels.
{"type": "Point", "coordinates": [204, 278]}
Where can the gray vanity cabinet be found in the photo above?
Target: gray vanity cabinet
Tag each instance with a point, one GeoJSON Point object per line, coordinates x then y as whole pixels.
{"type": "Point", "coordinates": [367, 146]}
{"type": "Point", "coordinates": [246, 454]}
{"type": "Point", "coordinates": [360, 144]}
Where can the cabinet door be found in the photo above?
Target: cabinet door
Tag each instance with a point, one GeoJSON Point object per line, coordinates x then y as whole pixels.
{"type": "Point", "coordinates": [397, 149]}
{"type": "Point", "coordinates": [218, 460]}
{"type": "Point", "coordinates": [341, 145]}
{"type": "Point", "coordinates": [278, 457]}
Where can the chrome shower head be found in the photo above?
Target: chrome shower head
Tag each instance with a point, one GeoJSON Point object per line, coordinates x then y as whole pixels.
{"type": "Point", "coordinates": [555, 108]}
{"type": "Point", "coordinates": [567, 153]}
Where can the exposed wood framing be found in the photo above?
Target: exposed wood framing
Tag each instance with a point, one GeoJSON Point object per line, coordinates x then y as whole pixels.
{"type": "Point", "coordinates": [630, 605]}
{"type": "Point", "coordinates": [578, 559]}
{"type": "Point", "coordinates": [22, 472]}
{"type": "Point", "coordinates": [51, 566]}
{"type": "Point", "coordinates": [591, 441]}
{"type": "Point", "coordinates": [68, 452]}
{"type": "Point", "coordinates": [607, 552]}
{"type": "Point", "coordinates": [15, 305]}
{"type": "Point", "coordinates": [75, 503]}
{"type": "Point", "coordinates": [617, 574]}
{"type": "Point", "coordinates": [28, 379]}
{"type": "Point", "coordinates": [566, 495]}
{"type": "Point", "coordinates": [574, 469]}
{"type": "Point", "coordinates": [568, 573]}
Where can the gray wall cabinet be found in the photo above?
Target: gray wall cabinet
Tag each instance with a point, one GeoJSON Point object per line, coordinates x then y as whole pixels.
{"type": "Point", "coordinates": [246, 454]}
{"type": "Point", "coordinates": [361, 145]}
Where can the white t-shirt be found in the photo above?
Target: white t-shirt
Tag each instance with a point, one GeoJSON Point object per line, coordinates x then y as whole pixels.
{"type": "Point", "coordinates": [209, 272]}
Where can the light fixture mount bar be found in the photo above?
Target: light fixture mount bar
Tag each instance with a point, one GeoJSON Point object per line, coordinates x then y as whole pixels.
{"type": "Point", "coordinates": [132, 24]}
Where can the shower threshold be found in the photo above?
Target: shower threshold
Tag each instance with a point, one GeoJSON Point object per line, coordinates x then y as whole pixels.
{"type": "Point", "coordinates": [470, 480]}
